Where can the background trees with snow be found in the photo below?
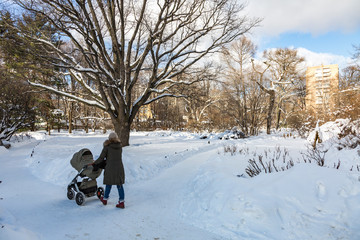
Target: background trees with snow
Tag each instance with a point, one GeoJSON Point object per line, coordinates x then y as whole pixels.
{"type": "Point", "coordinates": [349, 95]}
{"type": "Point", "coordinates": [17, 106]}
{"type": "Point", "coordinates": [119, 41]}
{"type": "Point", "coordinates": [279, 77]}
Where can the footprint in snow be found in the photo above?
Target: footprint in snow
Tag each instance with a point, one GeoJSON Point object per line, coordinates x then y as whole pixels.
{"type": "Point", "coordinates": [321, 191]}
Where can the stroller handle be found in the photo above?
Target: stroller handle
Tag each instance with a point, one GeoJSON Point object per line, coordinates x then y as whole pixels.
{"type": "Point", "coordinates": [84, 168]}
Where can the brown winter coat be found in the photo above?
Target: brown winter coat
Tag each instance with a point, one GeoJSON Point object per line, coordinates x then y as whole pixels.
{"type": "Point", "coordinates": [114, 173]}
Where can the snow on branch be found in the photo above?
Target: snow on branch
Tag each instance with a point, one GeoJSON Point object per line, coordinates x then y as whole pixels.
{"type": "Point", "coordinates": [85, 101]}
{"type": "Point", "coordinates": [79, 78]}
{"type": "Point", "coordinates": [162, 96]}
{"type": "Point", "coordinates": [350, 90]}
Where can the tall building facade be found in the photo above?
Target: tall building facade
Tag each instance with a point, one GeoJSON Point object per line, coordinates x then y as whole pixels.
{"type": "Point", "coordinates": [322, 88]}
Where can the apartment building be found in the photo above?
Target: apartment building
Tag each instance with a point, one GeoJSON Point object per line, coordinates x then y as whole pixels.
{"type": "Point", "coordinates": [322, 87]}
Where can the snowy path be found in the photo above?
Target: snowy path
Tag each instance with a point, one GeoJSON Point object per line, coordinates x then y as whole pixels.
{"type": "Point", "coordinates": [151, 207]}
{"type": "Point", "coordinates": [157, 202]}
{"type": "Point", "coordinates": [178, 187]}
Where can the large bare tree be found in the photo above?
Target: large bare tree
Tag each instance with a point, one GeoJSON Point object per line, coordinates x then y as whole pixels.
{"type": "Point", "coordinates": [286, 74]}
{"type": "Point", "coordinates": [242, 95]}
{"type": "Point", "coordinates": [123, 42]}
{"type": "Point", "coordinates": [283, 65]}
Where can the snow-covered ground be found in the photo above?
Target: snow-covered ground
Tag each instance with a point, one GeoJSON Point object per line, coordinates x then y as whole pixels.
{"type": "Point", "coordinates": [179, 186]}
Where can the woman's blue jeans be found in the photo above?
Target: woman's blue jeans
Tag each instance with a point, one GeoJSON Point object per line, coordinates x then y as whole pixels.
{"type": "Point", "coordinates": [120, 190]}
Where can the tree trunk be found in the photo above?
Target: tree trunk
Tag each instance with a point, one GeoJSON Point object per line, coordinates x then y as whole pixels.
{"type": "Point", "coordinates": [278, 117]}
{"type": "Point", "coordinates": [270, 110]}
{"type": "Point", "coordinates": [86, 126]}
{"type": "Point", "coordinates": [58, 119]}
{"type": "Point", "coordinates": [123, 131]}
{"type": "Point", "coordinates": [245, 119]}
{"type": "Point", "coordinates": [70, 117]}
{"type": "Point", "coordinates": [48, 126]}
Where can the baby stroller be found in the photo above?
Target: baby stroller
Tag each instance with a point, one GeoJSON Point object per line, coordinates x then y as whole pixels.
{"type": "Point", "coordinates": [88, 186]}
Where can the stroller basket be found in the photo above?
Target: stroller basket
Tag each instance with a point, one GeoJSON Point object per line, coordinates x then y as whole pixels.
{"type": "Point", "coordinates": [87, 186]}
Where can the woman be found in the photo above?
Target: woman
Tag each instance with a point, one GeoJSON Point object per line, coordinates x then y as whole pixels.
{"type": "Point", "coordinates": [114, 173]}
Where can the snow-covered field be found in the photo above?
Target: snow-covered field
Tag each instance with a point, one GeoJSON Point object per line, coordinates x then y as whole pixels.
{"type": "Point", "coordinates": [179, 186]}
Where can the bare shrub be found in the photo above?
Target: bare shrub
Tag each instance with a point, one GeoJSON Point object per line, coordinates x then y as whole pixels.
{"type": "Point", "coordinates": [232, 149]}
{"type": "Point", "coordinates": [275, 160]}
{"type": "Point", "coordinates": [337, 166]}
{"type": "Point", "coordinates": [245, 150]}
{"type": "Point", "coordinates": [315, 155]}
{"type": "Point", "coordinates": [356, 168]}
{"type": "Point", "coordinates": [253, 169]}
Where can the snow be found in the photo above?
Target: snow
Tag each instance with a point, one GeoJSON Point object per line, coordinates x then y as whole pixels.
{"type": "Point", "coordinates": [330, 130]}
{"type": "Point", "coordinates": [179, 186]}
{"type": "Point", "coordinates": [328, 133]}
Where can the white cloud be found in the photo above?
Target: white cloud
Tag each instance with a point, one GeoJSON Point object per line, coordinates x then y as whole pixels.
{"type": "Point", "coordinates": [307, 16]}
{"type": "Point", "coordinates": [316, 17]}
{"type": "Point", "coordinates": [316, 59]}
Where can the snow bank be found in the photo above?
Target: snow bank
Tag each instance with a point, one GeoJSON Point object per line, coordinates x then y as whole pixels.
{"type": "Point", "coordinates": [40, 135]}
{"type": "Point", "coordinates": [306, 202]}
{"type": "Point", "coordinates": [340, 143]}
{"type": "Point", "coordinates": [329, 130]}
{"type": "Point", "coordinates": [50, 160]}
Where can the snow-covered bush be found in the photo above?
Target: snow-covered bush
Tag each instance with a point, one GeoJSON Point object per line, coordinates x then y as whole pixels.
{"type": "Point", "coordinates": [337, 138]}
{"type": "Point", "coordinates": [234, 133]}
{"type": "Point", "coordinates": [343, 133]}
{"type": "Point", "coordinates": [349, 137]}
{"type": "Point", "coordinates": [16, 107]}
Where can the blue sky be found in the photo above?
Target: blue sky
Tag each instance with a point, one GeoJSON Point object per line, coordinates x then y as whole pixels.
{"type": "Point", "coordinates": [327, 28]}
{"type": "Point", "coordinates": [334, 42]}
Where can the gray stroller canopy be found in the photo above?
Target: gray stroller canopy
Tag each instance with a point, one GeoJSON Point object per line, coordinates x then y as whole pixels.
{"type": "Point", "coordinates": [83, 158]}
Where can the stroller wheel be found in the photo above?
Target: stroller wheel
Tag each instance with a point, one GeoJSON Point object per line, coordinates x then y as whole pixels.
{"type": "Point", "coordinates": [70, 194]}
{"type": "Point", "coordinates": [80, 198]}
{"type": "Point", "coordinates": [100, 192]}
